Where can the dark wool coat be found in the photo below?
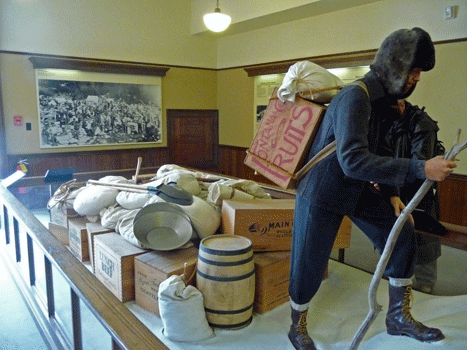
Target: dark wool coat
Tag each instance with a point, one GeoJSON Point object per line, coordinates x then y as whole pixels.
{"type": "Point", "coordinates": [358, 123]}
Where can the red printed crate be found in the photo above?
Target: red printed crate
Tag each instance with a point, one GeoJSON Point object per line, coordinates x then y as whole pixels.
{"type": "Point", "coordinates": [283, 139]}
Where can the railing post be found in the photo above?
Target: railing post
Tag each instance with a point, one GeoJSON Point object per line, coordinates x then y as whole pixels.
{"type": "Point", "coordinates": [115, 345]}
{"type": "Point", "coordinates": [49, 287]}
{"type": "Point", "coordinates": [6, 223]}
{"type": "Point", "coordinates": [17, 244]}
{"type": "Point", "coordinates": [76, 320]}
{"type": "Point", "coordinates": [32, 269]}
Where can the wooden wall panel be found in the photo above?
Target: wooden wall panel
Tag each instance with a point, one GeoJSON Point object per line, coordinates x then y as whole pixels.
{"type": "Point", "coordinates": [453, 191]}
{"type": "Point", "coordinates": [90, 161]}
{"type": "Point", "coordinates": [231, 163]}
{"type": "Point", "coordinates": [453, 200]}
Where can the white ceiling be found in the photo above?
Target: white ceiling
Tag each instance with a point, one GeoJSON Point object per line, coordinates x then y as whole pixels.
{"type": "Point", "coordinates": [249, 15]}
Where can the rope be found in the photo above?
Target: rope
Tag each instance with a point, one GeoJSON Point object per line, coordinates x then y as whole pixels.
{"type": "Point", "coordinates": [64, 191]}
{"type": "Point", "coordinates": [312, 91]}
{"type": "Point", "coordinates": [269, 163]}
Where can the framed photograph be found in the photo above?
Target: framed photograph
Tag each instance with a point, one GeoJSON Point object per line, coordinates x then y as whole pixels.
{"type": "Point", "coordinates": [264, 88]}
{"type": "Point", "coordinates": [91, 109]}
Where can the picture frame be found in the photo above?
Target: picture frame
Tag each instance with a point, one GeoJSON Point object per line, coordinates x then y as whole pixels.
{"type": "Point", "coordinates": [83, 109]}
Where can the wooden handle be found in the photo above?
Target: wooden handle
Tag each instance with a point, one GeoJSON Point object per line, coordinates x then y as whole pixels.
{"type": "Point", "coordinates": [119, 186]}
{"type": "Point", "coordinates": [138, 167]}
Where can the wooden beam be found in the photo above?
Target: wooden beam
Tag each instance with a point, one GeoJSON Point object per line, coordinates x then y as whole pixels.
{"type": "Point", "coordinates": [98, 66]}
{"type": "Point", "coordinates": [351, 59]}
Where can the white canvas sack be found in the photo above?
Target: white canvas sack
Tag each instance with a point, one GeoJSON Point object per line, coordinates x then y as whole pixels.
{"type": "Point", "coordinates": [93, 198]}
{"type": "Point", "coordinates": [204, 217]}
{"type": "Point", "coordinates": [182, 311]}
{"type": "Point", "coordinates": [132, 200]}
{"type": "Point", "coordinates": [307, 79]}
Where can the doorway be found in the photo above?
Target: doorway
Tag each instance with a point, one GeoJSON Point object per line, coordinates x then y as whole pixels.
{"type": "Point", "coordinates": [193, 138]}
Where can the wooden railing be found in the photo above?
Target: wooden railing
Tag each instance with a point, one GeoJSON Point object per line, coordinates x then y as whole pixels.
{"type": "Point", "coordinates": [39, 264]}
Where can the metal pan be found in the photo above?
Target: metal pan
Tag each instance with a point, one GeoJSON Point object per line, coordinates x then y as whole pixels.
{"type": "Point", "coordinates": [164, 206]}
{"type": "Point", "coordinates": [163, 230]}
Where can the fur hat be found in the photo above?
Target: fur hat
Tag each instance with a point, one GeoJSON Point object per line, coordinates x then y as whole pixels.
{"type": "Point", "coordinates": [401, 51]}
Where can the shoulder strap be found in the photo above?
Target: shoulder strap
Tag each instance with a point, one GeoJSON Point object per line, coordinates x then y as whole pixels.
{"type": "Point", "coordinates": [326, 151]}
{"type": "Point", "coordinates": [329, 149]}
{"type": "Point", "coordinates": [362, 85]}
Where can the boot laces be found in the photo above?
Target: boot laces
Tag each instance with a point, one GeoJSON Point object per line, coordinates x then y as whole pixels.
{"type": "Point", "coordinates": [301, 327]}
{"type": "Point", "coordinates": [408, 299]}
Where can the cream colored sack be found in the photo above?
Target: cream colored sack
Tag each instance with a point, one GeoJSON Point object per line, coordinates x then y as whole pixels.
{"type": "Point", "coordinates": [182, 311]}
{"type": "Point", "coordinates": [310, 81]}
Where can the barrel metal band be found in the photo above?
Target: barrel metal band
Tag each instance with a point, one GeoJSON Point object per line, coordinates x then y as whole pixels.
{"type": "Point", "coordinates": [228, 312]}
{"type": "Point", "coordinates": [225, 263]}
{"type": "Point", "coordinates": [229, 326]}
{"type": "Point", "coordinates": [224, 252]}
{"type": "Point", "coordinates": [226, 279]}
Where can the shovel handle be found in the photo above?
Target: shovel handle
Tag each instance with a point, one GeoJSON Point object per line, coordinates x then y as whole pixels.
{"type": "Point", "coordinates": [118, 185]}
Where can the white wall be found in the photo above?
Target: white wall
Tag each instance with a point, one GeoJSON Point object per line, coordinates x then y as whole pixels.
{"type": "Point", "coordinates": [160, 31]}
{"type": "Point", "coordinates": [354, 29]}
{"type": "Point", "coordinates": [150, 31]}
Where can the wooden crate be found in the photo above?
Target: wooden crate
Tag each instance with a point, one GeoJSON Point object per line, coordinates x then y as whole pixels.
{"type": "Point", "coordinates": [60, 215]}
{"type": "Point", "coordinates": [115, 264]}
{"type": "Point", "coordinates": [268, 223]}
{"type": "Point", "coordinates": [154, 267]}
{"type": "Point", "coordinates": [272, 280]}
{"type": "Point", "coordinates": [283, 139]}
{"type": "Point", "coordinates": [60, 232]}
{"type": "Point", "coordinates": [79, 238]}
{"type": "Point", "coordinates": [343, 235]}
{"type": "Point", "coordinates": [93, 229]}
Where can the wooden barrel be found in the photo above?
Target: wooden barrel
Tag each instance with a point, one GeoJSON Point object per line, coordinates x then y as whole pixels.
{"type": "Point", "coordinates": [226, 278]}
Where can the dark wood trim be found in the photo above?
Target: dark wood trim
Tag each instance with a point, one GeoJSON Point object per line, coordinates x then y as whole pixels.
{"type": "Point", "coordinates": [89, 65]}
{"type": "Point", "coordinates": [84, 153]}
{"type": "Point", "coordinates": [92, 161]}
{"type": "Point", "coordinates": [453, 199]}
{"type": "Point", "coordinates": [236, 148]}
{"type": "Point", "coordinates": [83, 177]}
{"type": "Point", "coordinates": [351, 59]}
{"type": "Point", "coordinates": [451, 41]}
{"type": "Point", "coordinates": [457, 177]}
{"type": "Point", "coordinates": [100, 60]}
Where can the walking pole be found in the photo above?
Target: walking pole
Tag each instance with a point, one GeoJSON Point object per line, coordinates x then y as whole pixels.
{"type": "Point", "coordinates": [375, 308]}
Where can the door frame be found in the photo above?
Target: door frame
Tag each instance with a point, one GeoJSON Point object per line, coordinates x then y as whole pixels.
{"type": "Point", "coordinates": [192, 113]}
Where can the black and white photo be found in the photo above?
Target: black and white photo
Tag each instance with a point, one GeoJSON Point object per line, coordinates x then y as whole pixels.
{"type": "Point", "coordinates": [87, 113]}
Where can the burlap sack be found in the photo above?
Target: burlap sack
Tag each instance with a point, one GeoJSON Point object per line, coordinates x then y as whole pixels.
{"type": "Point", "coordinates": [182, 312]}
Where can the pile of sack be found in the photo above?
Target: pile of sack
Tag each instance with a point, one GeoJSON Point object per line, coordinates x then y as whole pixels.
{"type": "Point", "coordinates": [116, 209]}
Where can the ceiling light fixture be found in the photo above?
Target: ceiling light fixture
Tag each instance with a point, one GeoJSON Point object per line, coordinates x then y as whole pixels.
{"type": "Point", "coordinates": [217, 21]}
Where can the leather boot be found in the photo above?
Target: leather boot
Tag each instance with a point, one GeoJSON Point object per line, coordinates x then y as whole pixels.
{"type": "Point", "coordinates": [399, 320]}
{"type": "Point", "coordinates": [298, 333]}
